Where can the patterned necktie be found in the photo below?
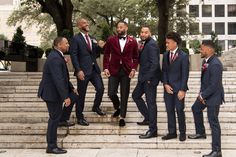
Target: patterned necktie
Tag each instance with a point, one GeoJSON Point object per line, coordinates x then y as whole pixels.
{"type": "Point", "coordinates": [88, 43]}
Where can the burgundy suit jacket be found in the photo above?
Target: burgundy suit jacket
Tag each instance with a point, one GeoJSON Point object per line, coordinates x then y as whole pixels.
{"type": "Point", "coordinates": [113, 57]}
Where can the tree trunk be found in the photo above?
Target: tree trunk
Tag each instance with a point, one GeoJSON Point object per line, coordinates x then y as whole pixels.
{"type": "Point", "coordinates": [163, 11]}
{"type": "Point", "coordinates": [61, 12]}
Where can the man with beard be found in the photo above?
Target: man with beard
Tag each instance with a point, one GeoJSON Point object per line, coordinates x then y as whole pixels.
{"type": "Point", "coordinates": [83, 50]}
{"type": "Point", "coordinates": [148, 79]}
{"type": "Point", "coordinates": [120, 63]}
{"type": "Point", "coordinates": [211, 96]}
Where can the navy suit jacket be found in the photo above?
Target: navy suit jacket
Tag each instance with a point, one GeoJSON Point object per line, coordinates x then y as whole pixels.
{"type": "Point", "coordinates": [55, 85]}
{"type": "Point", "coordinates": [82, 57]}
{"type": "Point", "coordinates": [212, 90]}
{"type": "Point", "coordinates": [176, 73]}
{"type": "Point", "coordinates": [149, 60]}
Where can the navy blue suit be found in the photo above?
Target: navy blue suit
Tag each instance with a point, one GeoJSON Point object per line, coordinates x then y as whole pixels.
{"type": "Point", "coordinates": [83, 58]}
{"type": "Point", "coordinates": [54, 88]}
{"type": "Point", "coordinates": [148, 79]}
{"type": "Point", "coordinates": [175, 74]}
{"type": "Point", "coordinates": [213, 93]}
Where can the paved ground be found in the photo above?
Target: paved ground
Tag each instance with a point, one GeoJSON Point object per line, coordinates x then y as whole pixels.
{"type": "Point", "coordinates": [111, 153]}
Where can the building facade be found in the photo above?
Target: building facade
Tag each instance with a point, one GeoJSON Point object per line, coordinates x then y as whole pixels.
{"type": "Point", "coordinates": [6, 8]}
{"type": "Point", "coordinates": [213, 15]}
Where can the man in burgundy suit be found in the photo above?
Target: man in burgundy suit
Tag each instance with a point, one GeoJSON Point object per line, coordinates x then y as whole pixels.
{"type": "Point", "coordinates": [120, 63]}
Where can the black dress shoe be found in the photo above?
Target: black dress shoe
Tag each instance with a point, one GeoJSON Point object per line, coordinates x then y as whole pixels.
{"type": "Point", "coordinates": [56, 151]}
{"type": "Point", "coordinates": [144, 122]}
{"type": "Point", "coordinates": [182, 137]}
{"type": "Point", "coordinates": [148, 134]}
{"type": "Point", "coordinates": [83, 122]}
{"type": "Point", "coordinates": [213, 154]}
{"type": "Point", "coordinates": [169, 136]}
{"type": "Point", "coordinates": [122, 122]}
{"type": "Point", "coordinates": [98, 111]}
{"type": "Point", "coordinates": [66, 124]}
{"type": "Point", "coordinates": [197, 136]}
{"type": "Point", "coordinates": [116, 113]}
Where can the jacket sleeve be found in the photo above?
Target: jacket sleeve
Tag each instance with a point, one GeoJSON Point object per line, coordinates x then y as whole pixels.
{"type": "Point", "coordinates": [164, 69]}
{"type": "Point", "coordinates": [153, 57]}
{"type": "Point", "coordinates": [59, 78]}
{"type": "Point", "coordinates": [135, 55]}
{"type": "Point", "coordinates": [107, 55]}
{"type": "Point", "coordinates": [185, 73]}
{"type": "Point", "coordinates": [215, 78]}
{"type": "Point", "coordinates": [74, 53]}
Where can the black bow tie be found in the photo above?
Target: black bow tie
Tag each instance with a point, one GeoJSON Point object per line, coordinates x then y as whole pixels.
{"type": "Point", "coordinates": [122, 37]}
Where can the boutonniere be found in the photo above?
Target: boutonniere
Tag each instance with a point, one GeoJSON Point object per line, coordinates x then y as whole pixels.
{"type": "Point", "coordinates": [129, 39]}
{"type": "Point", "coordinates": [205, 66]}
{"type": "Point", "coordinates": [66, 59]}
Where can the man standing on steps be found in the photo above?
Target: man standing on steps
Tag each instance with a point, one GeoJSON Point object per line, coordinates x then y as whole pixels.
{"type": "Point", "coordinates": [83, 50]}
{"type": "Point", "coordinates": [120, 63]}
{"type": "Point", "coordinates": [175, 70]}
{"type": "Point", "coordinates": [56, 89]}
{"type": "Point", "coordinates": [211, 96]}
{"type": "Point", "coordinates": [148, 79]}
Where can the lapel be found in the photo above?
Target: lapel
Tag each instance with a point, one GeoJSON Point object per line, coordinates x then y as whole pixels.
{"type": "Point", "coordinates": [117, 43]}
{"type": "Point", "coordinates": [208, 63]}
{"type": "Point", "coordinates": [177, 53]}
{"type": "Point", "coordinates": [62, 57]}
{"type": "Point", "coordinates": [83, 40]}
{"type": "Point", "coordinates": [128, 40]}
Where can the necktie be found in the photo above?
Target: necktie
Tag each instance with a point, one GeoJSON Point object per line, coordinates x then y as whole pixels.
{"type": "Point", "coordinates": [171, 56]}
{"type": "Point", "coordinates": [88, 42]}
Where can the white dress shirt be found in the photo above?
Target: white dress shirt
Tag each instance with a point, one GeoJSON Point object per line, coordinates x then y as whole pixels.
{"type": "Point", "coordinates": [122, 43]}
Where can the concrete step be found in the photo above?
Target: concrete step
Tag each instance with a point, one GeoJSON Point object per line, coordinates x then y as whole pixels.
{"type": "Point", "coordinates": [38, 117]}
{"type": "Point", "coordinates": [101, 129]}
{"type": "Point", "coordinates": [111, 141]}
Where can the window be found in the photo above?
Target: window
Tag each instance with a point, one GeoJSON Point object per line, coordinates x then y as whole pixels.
{"type": "Point", "coordinates": [193, 10]}
{"type": "Point", "coordinates": [231, 44]}
{"type": "Point", "coordinates": [232, 10]}
{"type": "Point", "coordinates": [219, 10]}
{"type": "Point", "coordinates": [231, 28]}
{"type": "Point", "coordinates": [221, 44]}
{"type": "Point", "coordinates": [6, 2]}
{"type": "Point", "coordinates": [206, 28]}
{"type": "Point", "coordinates": [206, 11]}
{"type": "Point", "coordinates": [194, 28]}
{"type": "Point", "coordinates": [220, 28]}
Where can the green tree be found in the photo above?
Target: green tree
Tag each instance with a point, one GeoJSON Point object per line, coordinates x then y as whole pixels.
{"type": "Point", "coordinates": [18, 42]}
{"type": "Point", "coordinates": [214, 39]}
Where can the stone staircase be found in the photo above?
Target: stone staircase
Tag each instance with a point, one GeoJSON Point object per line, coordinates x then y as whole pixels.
{"type": "Point", "coordinates": [228, 59]}
{"type": "Point", "coordinates": [23, 118]}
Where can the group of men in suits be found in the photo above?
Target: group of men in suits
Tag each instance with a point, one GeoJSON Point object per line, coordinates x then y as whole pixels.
{"type": "Point", "coordinates": [121, 57]}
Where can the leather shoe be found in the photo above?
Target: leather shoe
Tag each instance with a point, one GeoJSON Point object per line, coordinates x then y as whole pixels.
{"type": "Point", "coordinates": [83, 122]}
{"type": "Point", "coordinates": [148, 134]}
{"type": "Point", "coordinates": [169, 136]}
{"type": "Point", "coordinates": [98, 111]}
{"type": "Point", "coordinates": [122, 122]}
{"type": "Point", "coordinates": [56, 151]}
{"type": "Point", "coordinates": [66, 124]}
{"type": "Point", "coordinates": [144, 122]}
{"type": "Point", "coordinates": [197, 136]}
{"type": "Point", "coordinates": [116, 113]}
{"type": "Point", "coordinates": [182, 137]}
{"type": "Point", "coordinates": [213, 154]}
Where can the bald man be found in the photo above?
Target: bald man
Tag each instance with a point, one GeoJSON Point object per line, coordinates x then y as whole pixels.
{"type": "Point", "coordinates": [84, 50]}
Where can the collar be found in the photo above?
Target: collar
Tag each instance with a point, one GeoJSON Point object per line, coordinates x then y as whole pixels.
{"type": "Point", "coordinates": [206, 59]}
{"type": "Point", "coordinates": [60, 52]}
{"type": "Point", "coordinates": [174, 51]}
{"type": "Point", "coordinates": [84, 34]}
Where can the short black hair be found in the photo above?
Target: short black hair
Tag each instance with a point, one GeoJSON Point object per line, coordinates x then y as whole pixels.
{"type": "Point", "coordinates": [208, 43]}
{"type": "Point", "coordinates": [57, 40]}
{"type": "Point", "coordinates": [121, 21]}
{"type": "Point", "coordinates": [174, 36]}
